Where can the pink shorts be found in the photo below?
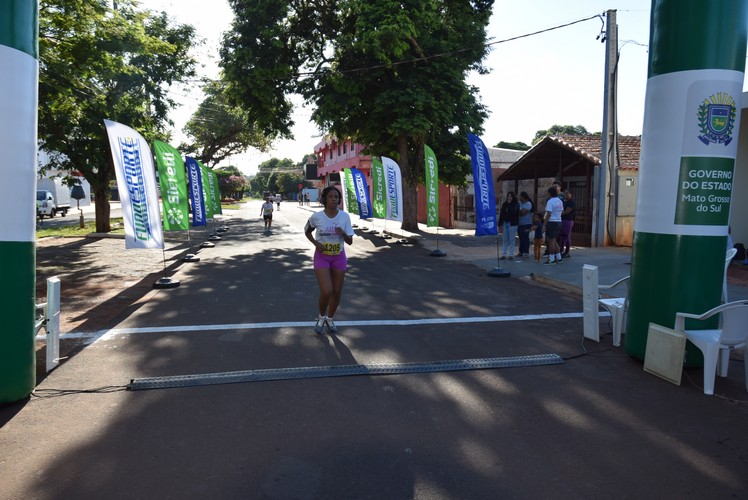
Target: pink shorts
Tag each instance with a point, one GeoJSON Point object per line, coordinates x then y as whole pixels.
{"type": "Point", "coordinates": [322, 261]}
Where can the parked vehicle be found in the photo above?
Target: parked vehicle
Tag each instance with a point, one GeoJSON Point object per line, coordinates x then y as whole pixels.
{"type": "Point", "coordinates": [52, 196]}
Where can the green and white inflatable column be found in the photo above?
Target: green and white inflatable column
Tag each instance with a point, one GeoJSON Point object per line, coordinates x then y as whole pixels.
{"type": "Point", "coordinates": [689, 143]}
{"type": "Point", "coordinates": [19, 84]}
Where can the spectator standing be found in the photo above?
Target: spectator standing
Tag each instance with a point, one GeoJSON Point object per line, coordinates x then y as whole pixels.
{"type": "Point", "coordinates": [508, 221]}
{"type": "Point", "coordinates": [567, 223]}
{"type": "Point", "coordinates": [525, 223]}
{"type": "Point", "coordinates": [537, 227]}
{"type": "Point", "coordinates": [560, 195]}
{"type": "Point", "coordinates": [552, 222]}
{"type": "Point", "coordinates": [559, 190]}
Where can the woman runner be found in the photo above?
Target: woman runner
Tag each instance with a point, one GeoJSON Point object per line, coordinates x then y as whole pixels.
{"type": "Point", "coordinates": [332, 228]}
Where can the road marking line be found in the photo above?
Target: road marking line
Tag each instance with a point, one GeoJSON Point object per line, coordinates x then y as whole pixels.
{"type": "Point", "coordinates": [111, 333]}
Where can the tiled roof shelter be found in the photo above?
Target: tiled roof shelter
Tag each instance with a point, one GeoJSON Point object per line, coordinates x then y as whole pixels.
{"type": "Point", "coordinates": [574, 160]}
{"type": "Point", "coordinates": [569, 155]}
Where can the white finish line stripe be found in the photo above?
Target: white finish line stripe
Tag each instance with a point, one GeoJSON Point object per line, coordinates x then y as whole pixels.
{"type": "Point", "coordinates": [108, 334]}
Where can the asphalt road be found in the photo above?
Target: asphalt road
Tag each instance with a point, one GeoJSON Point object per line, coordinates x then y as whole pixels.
{"type": "Point", "coordinates": [593, 426]}
{"type": "Point", "coordinates": [73, 216]}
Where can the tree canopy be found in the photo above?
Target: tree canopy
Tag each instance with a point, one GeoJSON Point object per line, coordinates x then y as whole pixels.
{"type": "Point", "coordinates": [274, 164]}
{"type": "Point", "coordinates": [95, 63]}
{"type": "Point", "coordinates": [560, 130]}
{"type": "Point", "coordinates": [278, 175]}
{"type": "Point", "coordinates": [517, 146]}
{"type": "Point", "coordinates": [385, 73]}
{"type": "Point", "coordinates": [218, 130]}
{"type": "Point", "coordinates": [277, 182]}
{"type": "Point", "coordinates": [231, 182]}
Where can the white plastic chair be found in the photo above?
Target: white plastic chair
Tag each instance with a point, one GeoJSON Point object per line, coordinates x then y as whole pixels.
{"type": "Point", "coordinates": [716, 344]}
{"type": "Point", "coordinates": [728, 258]}
{"type": "Point", "coordinates": [616, 306]}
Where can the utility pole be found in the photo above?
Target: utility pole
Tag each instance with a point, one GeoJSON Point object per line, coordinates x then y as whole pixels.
{"type": "Point", "coordinates": [609, 135]}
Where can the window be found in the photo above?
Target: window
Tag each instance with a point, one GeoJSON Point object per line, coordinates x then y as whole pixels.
{"type": "Point", "coordinates": [345, 147]}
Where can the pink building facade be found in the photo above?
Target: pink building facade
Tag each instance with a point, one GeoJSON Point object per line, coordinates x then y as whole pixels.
{"type": "Point", "coordinates": [334, 155]}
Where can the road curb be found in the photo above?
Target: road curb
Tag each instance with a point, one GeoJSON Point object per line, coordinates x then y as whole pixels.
{"type": "Point", "coordinates": [560, 285]}
{"type": "Point", "coordinates": [105, 235]}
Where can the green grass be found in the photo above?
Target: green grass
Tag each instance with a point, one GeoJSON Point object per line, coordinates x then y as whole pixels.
{"type": "Point", "coordinates": [74, 229]}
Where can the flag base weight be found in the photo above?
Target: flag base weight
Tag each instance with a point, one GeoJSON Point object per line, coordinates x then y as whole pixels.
{"type": "Point", "coordinates": [207, 244]}
{"type": "Point", "coordinates": [498, 272]}
{"type": "Point", "coordinates": [214, 237]}
{"type": "Point", "coordinates": [190, 257]}
{"type": "Point", "coordinates": [166, 283]}
{"type": "Point", "coordinates": [437, 253]}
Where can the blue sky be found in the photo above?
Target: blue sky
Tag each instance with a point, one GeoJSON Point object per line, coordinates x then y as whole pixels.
{"type": "Point", "coordinates": [556, 77]}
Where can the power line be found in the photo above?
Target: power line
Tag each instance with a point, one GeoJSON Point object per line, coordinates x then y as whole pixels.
{"type": "Point", "coordinates": [571, 23]}
{"type": "Point", "coordinates": [458, 51]}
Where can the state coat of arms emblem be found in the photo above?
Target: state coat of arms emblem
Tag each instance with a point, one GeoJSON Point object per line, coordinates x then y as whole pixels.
{"type": "Point", "coordinates": [717, 119]}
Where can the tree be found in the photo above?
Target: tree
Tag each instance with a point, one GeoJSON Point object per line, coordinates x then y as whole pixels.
{"type": "Point", "coordinates": [308, 158]}
{"type": "Point", "coordinates": [272, 183]}
{"type": "Point", "coordinates": [279, 176]}
{"type": "Point", "coordinates": [97, 63]}
{"type": "Point", "coordinates": [288, 182]}
{"type": "Point", "coordinates": [227, 170]}
{"type": "Point", "coordinates": [231, 182]}
{"type": "Point", "coordinates": [219, 130]}
{"type": "Point", "coordinates": [257, 184]}
{"type": "Point", "coordinates": [385, 73]}
{"type": "Point", "coordinates": [276, 164]}
{"type": "Point", "coordinates": [517, 146]}
{"type": "Point", "coordinates": [560, 130]}
{"type": "Point", "coordinates": [232, 186]}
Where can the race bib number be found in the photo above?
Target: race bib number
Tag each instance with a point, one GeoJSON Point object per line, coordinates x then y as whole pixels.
{"type": "Point", "coordinates": [331, 249]}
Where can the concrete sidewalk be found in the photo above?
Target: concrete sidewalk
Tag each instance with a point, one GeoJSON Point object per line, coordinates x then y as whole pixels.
{"type": "Point", "coordinates": [613, 263]}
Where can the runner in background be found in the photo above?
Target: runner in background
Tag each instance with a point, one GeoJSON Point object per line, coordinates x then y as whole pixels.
{"type": "Point", "coordinates": [266, 211]}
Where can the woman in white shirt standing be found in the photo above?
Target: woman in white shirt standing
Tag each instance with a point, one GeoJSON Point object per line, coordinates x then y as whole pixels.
{"type": "Point", "coordinates": [553, 208]}
{"type": "Point", "coordinates": [332, 228]}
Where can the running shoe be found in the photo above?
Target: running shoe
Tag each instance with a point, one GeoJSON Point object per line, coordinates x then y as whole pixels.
{"type": "Point", "coordinates": [319, 326]}
{"type": "Point", "coordinates": [331, 326]}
